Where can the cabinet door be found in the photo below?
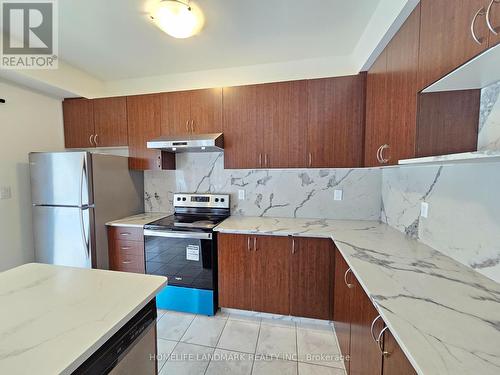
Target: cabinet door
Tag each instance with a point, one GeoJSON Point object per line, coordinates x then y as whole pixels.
{"type": "Point", "coordinates": [234, 271]}
{"type": "Point", "coordinates": [143, 114]}
{"type": "Point", "coordinates": [242, 130]}
{"type": "Point", "coordinates": [78, 123]}
{"type": "Point", "coordinates": [445, 39]}
{"type": "Point", "coordinates": [285, 122]}
{"type": "Point", "coordinates": [175, 113]}
{"type": "Point", "coordinates": [395, 363]}
{"type": "Point", "coordinates": [336, 112]}
{"type": "Point", "coordinates": [366, 358]}
{"type": "Point", "coordinates": [402, 75]}
{"type": "Point", "coordinates": [110, 118]}
{"type": "Point", "coordinates": [271, 275]}
{"type": "Point", "coordinates": [342, 306]}
{"type": "Point", "coordinates": [495, 23]}
{"type": "Point", "coordinates": [377, 110]}
{"type": "Point", "coordinates": [206, 111]}
{"type": "Point", "coordinates": [311, 281]}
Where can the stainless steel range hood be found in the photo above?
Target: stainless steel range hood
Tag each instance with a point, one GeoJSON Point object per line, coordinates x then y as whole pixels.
{"type": "Point", "coordinates": [189, 143]}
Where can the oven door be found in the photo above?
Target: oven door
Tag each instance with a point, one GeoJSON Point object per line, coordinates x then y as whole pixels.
{"type": "Point", "coordinates": [186, 258]}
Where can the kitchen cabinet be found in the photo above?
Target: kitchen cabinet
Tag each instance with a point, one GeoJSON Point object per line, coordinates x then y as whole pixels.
{"type": "Point", "coordinates": [358, 325]}
{"type": "Point", "coordinates": [191, 112]}
{"type": "Point", "coordinates": [391, 119]}
{"type": "Point", "coordinates": [110, 122]}
{"type": "Point", "coordinates": [446, 41]}
{"type": "Point", "coordinates": [395, 361]}
{"type": "Point", "coordinates": [335, 127]}
{"type": "Point", "coordinates": [143, 116]}
{"type": "Point", "coordinates": [311, 265]}
{"type": "Point", "coordinates": [95, 123]}
{"type": "Point", "coordinates": [126, 249]}
{"type": "Point", "coordinates": [235, 271]}
{"type": "Point", "coordinates": [265, 125]}
{"type": "Point", "coordinates": [342, 306]}
{"type": "Point", "coordinates": [270, 274]}
{"type": "Point", "coordinates": [275, 274]}
{"type": "Point", "coordinates": [78, 117]}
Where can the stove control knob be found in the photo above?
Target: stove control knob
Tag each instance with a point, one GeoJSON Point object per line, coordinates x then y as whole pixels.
{"type": "Point", "coordinates": [216, 200]}
{"type": "Point", "coordinates": [183, 199]}
{"type": "Point", "coordinates": [178, 198]}
{"type": "Point", "coordinates": [222, 200]}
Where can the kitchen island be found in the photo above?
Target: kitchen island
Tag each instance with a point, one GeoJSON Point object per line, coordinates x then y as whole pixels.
{"type": "Point", "coordinates": [54, 318]}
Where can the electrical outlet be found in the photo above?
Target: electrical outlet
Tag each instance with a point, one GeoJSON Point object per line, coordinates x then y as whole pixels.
{"type": "Point", "coordinates": [5, 192]}
{"type": "Point", "coordinates": [241, 195]}
{"type": "Point", "coordinates": [424, 209]}
{"type": "Point", "coordinates": [338, 195]}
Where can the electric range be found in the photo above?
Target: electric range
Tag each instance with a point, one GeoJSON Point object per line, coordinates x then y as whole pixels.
{"type": "Point", "coordinates": [183, 247]}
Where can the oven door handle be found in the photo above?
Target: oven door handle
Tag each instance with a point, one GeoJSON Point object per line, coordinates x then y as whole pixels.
{"type": "Point", "coordinates": [168, 234]}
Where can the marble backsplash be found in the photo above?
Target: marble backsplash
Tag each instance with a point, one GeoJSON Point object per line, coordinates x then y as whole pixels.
{"type": "Point", "coordinates": [489, 119]}
{"type": "Point", "coordinates": [464, 210]}
{"type": "Point", "coordinates": [303, 193]}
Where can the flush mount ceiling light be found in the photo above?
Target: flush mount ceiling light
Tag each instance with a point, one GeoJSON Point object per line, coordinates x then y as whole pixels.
{"type": "Point", "coordinates": [178, 18]}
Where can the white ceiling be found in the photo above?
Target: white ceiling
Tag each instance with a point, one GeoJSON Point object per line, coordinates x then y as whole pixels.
{"type": "Point", "coordinates": [114, 39]}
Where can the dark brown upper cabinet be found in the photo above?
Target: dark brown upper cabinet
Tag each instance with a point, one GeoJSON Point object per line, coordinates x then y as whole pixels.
{"type": "Point", "coordinates": [265, 125]}
{"type": "Point", "coordinates": [78, 117]}
{"type": "Point", "coordinates": [391, 120]}
{"type": "Point", "coordinates": [446, 41]}
{"type": "Point", "coordinates": [335, 127]}
{"type": "Point", "coordinates": [95, 123]}
{"type": "Point", "coordinates": [110, 122]}
{"type": "Point", "coordinates": [191, 112]}
{"type": "Point", "coordinates": [143, 113]}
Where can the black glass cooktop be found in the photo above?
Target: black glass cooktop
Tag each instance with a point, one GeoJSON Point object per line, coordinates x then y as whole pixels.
{"type": "Point", "coordinates": [186, 222]}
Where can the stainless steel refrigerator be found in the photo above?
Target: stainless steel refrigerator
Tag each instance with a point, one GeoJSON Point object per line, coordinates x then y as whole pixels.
{"type": "Point", "coordinates": [74, 194]}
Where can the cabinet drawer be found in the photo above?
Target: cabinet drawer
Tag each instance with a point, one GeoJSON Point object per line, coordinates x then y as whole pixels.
{"type": "Point", "coordinates": [125, 248]}
{"type": "Point", "coordinates": [126, 233]}
{"type": "Point", "coordinates": [128, 263]}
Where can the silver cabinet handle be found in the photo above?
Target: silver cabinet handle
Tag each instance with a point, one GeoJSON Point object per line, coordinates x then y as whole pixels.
{"type": "Point", "coordinates": [125, 247]}
{"type": "Point", "coordinates": [379, 159]}
{"type": "Point", "coordinates": [480, 12]}
{"type": "Point", "coordinates": [248, 243]}
{"type": "Point", "coordinates": [255, 243]}
{"type": "Point", "coordinates": [192, 126]}
{"type": "Point", "coordinates": [126, 261]}
{"type": "Point", "coordinates": [91, 139]}
{"type": "Point", "coordinates": [310, 161]}
{"type": "Point", "coordinates": [373, 326]}
{"type": "Point", "coordinates": [260, 160]}
{"type": "Point", "coordinates": [381, 153]}
{"type": "Point", "coordinates": [350, 286]}
{"type": "Point", "coordinates": [379, 342]}
{"type": "Point", "coordinates": [293, 245]}
{"type": "Point", "coordinates": [95, 139]}
{"type": "Point", "coordinates": [488, 18]}
{"type": "Point", "coordinates": [125, 234]}
{"type": "Point", "coordinates": [265, 160]}
{"type": "Point", "coordinates": [187, 126]}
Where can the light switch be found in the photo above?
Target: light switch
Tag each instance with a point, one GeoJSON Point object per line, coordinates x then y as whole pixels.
{"type": "Point", "coordinates": [337, 195]}
{"type": "Point", "coordinates": [424, 209]}
{"type": "Point", "coordinates": [241, 195]}
{"type": "Point", "coordinates": [5, 192]}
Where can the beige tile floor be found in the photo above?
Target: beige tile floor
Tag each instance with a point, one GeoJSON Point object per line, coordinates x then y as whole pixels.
{"type": "Point", "coordinates": [244, 345]}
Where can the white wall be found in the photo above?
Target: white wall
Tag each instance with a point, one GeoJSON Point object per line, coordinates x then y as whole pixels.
{"type": "Point", "coordinates": [28, 122]}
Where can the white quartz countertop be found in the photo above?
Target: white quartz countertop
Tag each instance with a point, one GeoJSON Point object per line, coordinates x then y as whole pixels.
{"type": "Point", "coordinates": [444, 315]}
{"type": "Point", "coordinates": [53, 318]}
{"type": "Point", "coordinates": [139, 220]}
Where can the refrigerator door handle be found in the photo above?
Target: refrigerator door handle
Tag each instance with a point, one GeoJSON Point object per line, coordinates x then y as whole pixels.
{"type": "Point", "coordinates": [84, 172]}
{"type": "Point", "coordinates": [84, 236]}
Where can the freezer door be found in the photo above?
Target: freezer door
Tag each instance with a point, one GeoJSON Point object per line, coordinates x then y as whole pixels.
{"type": "Point", "coordinates": [61, 178]}
{"type": "Point", "coordinates": [63, 235]}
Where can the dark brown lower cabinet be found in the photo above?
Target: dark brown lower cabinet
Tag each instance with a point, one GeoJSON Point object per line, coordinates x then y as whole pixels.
{"type": "Point", "coordinates": [280, 275]}
{"type": "Point", "coordinates": [353, 316]}
{"type": "Point", "coordinates": [365, 355]}
{"type": "Point", "coordinates": [342, 306]}
{"type": "Point", "coordinates": [395, 361]}
{"type": "Point", "coordinates": [311, 277]}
